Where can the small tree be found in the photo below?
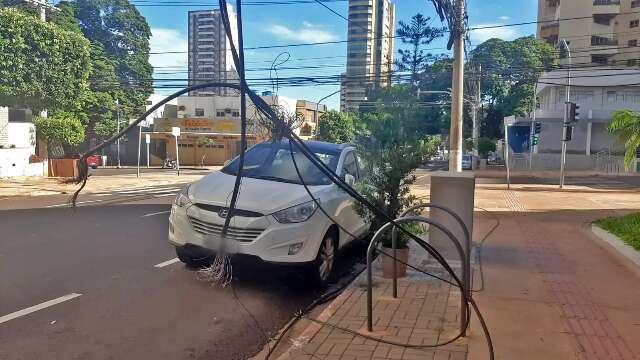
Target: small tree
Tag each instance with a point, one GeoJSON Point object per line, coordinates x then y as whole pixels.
{"type": "Point", "coordinates": [392, 148]}
{"type": "Point", "coordinates": [60, 129]}
{"type": "Point", "coordinates": [625, 125]}
{"type": "Point", "coordinates": [336, 127]}
{"type": "Point", "coordinates": [486, 145]}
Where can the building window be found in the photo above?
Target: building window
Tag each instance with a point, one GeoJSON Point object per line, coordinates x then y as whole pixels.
{"type": "Point", "coordinates": [199, 112]}
{"type": "Point", "coordinates": [634, 23]}
{"type": "Point", "coordinates": [599, 59]}
{"type": "Point", "coordinates": [235, 113]}
{"type": "Point", "coordinates": [220, 113]}
{"type": "Point", "coordinates": [632, 62]}
{"type": "Point", "coordinates": [632, 43]}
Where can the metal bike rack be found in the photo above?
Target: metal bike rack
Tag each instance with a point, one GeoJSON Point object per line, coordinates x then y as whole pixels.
{"type": "Point", "coordinates": [407, 219]}
{"type": "Point", "coordinates": [467, 235]}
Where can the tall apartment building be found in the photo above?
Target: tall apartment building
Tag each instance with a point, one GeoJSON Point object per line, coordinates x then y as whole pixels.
{"type": "Point", "coordinates": [369, 50]}
{"type": "Point", "coordinates": [210, 52]}
{"type": "Point", "coordinates": [607, 31]}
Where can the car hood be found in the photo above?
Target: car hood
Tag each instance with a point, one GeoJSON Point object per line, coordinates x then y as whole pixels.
{"type": "Point", "coordinates": [264, 196]}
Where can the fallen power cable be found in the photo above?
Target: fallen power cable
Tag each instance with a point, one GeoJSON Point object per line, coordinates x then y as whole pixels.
{"type": "Point", "coordinates": [220, 270]}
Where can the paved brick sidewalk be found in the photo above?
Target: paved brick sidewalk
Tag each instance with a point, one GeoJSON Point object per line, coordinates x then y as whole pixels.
{"type": "Point", "coordinates": [426, 312]}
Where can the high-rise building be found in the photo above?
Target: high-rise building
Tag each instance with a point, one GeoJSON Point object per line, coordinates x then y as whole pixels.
{"type": "Point", "coordinates": [210, 56]}
{"type": "Point", "coordinates": [597, 31]}
{"type": "Point", "coordinates": [369, 50]}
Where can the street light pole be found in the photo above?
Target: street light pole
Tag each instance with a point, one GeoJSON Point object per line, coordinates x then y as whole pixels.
{"type": "Point", "coordinates": [565, 122]}
{"type": "Point", "coordinates": [457, 96]}
{"type": "Point", "coordinates": [315, 116]}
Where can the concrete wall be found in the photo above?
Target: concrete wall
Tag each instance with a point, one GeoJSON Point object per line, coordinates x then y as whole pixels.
{"type": "Point", "coordinates": [15, 162]}
{"type": "Point", "coordinates": [4, 126]}
{"type": "Point", "coordinates": [22, 135]}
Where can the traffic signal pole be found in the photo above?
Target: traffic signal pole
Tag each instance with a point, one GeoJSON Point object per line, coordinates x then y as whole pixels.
{"type": "Point", "coordinates": [565, 122]}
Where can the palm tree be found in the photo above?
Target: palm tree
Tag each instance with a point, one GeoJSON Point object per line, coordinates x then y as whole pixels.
{"type": "Point", "coordinates": [625, 125]}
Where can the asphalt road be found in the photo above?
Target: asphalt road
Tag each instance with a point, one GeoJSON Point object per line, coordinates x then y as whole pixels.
{"type": "Point", "coordinates": [105, 285]}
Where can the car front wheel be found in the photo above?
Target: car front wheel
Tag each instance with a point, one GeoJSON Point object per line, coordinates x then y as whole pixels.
{"type": "Point", "coordinates": [322, 270]}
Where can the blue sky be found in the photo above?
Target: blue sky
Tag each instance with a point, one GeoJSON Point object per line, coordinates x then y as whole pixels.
{"type": "Point", "coordinates": [302, 23]}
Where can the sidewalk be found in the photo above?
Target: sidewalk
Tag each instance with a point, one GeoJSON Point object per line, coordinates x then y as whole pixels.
{"type": "Point", "coordinates": [547, 290]}
{"type": "Point", "coordinates": [38, 186]}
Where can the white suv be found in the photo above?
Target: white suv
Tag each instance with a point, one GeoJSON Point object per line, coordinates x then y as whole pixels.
{"type": "Point", "coordinates": [276, 220]}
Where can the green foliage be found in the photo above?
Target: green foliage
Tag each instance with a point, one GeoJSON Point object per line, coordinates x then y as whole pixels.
{"type": "Point", "coordinates": [336, 127]}
{"type": "Point", "coordinates": [509, 74]}
{"type": "Point", "coordinates": [392, 145]}
{"type": "Point", "coordinates": [402, 240]}
{"type": "Point", "coordinates": [486, 145]}
{"type": "Point", "coordinates": [625, 227]}
{"type": "Point", "coordinates": [41, 65]}
{"type": "Point", "coordinates": [62, 128]}
{"type": "Point", "coordinates": [120, 67]}
{"type": "Point", "coordinates": [625, 125]}
{"type": "Point", "coordinates": [416, 34]}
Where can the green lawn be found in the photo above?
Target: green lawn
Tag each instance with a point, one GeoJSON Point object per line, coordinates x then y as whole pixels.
{"type": "Point", "coordinates": [626, 228]}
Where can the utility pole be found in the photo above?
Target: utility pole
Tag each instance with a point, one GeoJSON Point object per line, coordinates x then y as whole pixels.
{"type": "Point", "coordinates": [42, 6]}
{"type": "Point", "coordinates": [118, 131]}
{"type": "Point", "coordinates": [457, 96]}
{"type": "Point", "coordinates": [565, 122]}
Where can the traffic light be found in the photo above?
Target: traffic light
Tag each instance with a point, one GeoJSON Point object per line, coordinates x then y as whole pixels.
{"type": "Point", "coordinates": [574, 112]}
{"type": "Point", "coordinates": [536, 140]}
{"type": "Point", "coordinates": [537, 127]}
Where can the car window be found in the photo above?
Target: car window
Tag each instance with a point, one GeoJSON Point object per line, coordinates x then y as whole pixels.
{"type": "Point", "coordinates": [350, 165]}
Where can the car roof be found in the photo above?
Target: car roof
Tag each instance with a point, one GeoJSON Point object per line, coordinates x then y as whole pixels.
{"type": "Point", "coordinates": [322, 146]}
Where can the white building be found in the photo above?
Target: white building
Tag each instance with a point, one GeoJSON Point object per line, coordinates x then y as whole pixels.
{"type": "Point", "coordinates": [599, 92]}
{"type": "Point", "coordinates": [210, 58]}
{"type": "Point", "coordinates": [209, 128]}
{"type": "Point", "coordinates": [18, 144]}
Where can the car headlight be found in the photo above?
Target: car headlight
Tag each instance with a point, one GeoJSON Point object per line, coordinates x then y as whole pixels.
{"type": "Point", "coordinates": [182, 199]}
{"type": "Point", "coordinates": [296, 214]}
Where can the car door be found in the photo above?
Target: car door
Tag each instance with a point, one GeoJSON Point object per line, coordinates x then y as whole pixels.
{"type": "Point", "coordinates": [346, 210]}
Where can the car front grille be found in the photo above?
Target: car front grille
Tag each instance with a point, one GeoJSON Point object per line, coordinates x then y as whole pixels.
{"type": "Point", "coordinates": [238, 234]}
{"type": "Point", "coordinates": [236, 212]}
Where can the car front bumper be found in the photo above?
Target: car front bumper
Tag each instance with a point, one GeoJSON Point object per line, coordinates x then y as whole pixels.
{"type": "Point", "coordinates": [272, 244]}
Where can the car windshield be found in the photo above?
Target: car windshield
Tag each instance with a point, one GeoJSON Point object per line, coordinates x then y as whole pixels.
{"type": "Point", "coordinates": [273, 161]}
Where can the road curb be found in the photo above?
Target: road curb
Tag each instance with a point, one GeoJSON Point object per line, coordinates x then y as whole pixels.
{"type": "Point", "coordinates": [617, 247]}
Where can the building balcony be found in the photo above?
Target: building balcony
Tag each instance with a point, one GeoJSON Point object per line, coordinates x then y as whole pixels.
{"type": "Point", "coordinates": [606, 6]}
{"type": "Point", "coordinates": [635, 4]}
{"type": "Point", "coordinates": [603, 41]}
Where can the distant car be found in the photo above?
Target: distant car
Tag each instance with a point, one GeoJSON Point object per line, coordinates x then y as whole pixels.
{"type": "Point", "coordinates": [276, 220]}
{"type": "Point", "coordinates": [94, 161]}
{"type": "Point", "coordinates": [466, 162]}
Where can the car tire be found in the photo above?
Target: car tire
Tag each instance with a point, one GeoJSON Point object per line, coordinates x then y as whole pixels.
{"type": "Point", "coordinates": [322, 270]}
{"type": "Point", "coordinates": [193, 258]}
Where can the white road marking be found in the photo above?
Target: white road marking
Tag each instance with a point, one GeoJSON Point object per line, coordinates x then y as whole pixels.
{"type": "Point", "coordinates": [44, 305]}
{"type": "Point", "coordinates": [156, 213]}
{"type": "Point", "coordinates": [167, 263]}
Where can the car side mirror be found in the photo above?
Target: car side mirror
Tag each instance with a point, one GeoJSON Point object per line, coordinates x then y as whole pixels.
{"type": "Point", "coordinates": [350, 179]}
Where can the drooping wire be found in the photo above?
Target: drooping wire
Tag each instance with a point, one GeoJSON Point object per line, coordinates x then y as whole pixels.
{"type": "Point", "coordinates": [275, 85]}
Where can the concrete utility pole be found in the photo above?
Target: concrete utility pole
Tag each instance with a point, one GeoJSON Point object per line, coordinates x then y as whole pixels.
{"type": "Point", "coordinates": [565, 122]}
{"type": "Point", "coordinates": [118, 131]}
{"type": "Point", "coordinates": [42, 6]}
{"type": "Point", "coordinates": [457, 96]}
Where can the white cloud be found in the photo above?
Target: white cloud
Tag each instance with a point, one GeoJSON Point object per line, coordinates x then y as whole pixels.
{"type": "Point", "coordinates": [504, 18]}
{"type": "Point", "coordinates": [168, 40]}
{"type": "Point", "coordinates": [307, 33]}
{"type": "Point", "coordinates": [481, 35]}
